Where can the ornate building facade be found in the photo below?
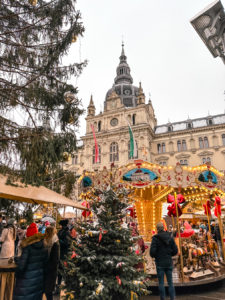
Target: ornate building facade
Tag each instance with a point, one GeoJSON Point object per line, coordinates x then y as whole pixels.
{"type": "Point", "coordinates": [190, 142]}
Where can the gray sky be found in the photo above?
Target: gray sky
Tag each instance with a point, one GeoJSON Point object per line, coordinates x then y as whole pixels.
{"type": "Point", "coordinates": [163, 50]}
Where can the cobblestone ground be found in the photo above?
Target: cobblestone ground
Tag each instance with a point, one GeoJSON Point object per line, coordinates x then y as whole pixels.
{"type": "Point", "coordinates": [213, 292]}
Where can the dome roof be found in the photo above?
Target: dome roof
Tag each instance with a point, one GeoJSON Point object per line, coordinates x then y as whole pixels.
{"type": "Point", "coordinates": [123, 83]}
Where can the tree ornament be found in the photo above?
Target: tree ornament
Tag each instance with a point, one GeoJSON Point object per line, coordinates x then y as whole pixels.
{"type": "Point", "coordinates": [90, 233]}
{"type": "Point", "coordinates": [65, 156]}
{"type": "Point", "coordinates": [99, 288]}
{"type": "Point", "coordinates": [118, 241]}
{"type": "Point", "coordinates": [74, 38]}
{"type": "Point", "coordinates": [81, 284]}
{"type": "Point", "coordinates": [33, 2]}
{"type": "Point", "coordinates": [118, 280]}
{"type": "Point", "coordinates": [73, 254]}
{"type": "Point", "coordinates": [69, 97]}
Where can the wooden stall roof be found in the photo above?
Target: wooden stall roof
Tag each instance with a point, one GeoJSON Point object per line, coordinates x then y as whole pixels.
{"type": "Point", "coordinates": [33, 194]}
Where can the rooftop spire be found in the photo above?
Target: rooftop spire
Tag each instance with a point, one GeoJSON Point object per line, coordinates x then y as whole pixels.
{"type": "Point", "coordinates": [123, 70]}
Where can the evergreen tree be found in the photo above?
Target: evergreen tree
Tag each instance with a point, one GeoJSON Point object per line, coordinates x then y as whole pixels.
{"type": "Point", "coordinates": [101, 263]}
{"type": "Point", "coordinates": [39, 110]}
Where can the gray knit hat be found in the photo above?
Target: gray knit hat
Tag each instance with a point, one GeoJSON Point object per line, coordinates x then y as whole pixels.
{"type": "Point", "coordinates": [160, 226]}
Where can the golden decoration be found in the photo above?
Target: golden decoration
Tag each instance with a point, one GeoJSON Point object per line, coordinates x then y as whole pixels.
{"type": "Point", "coordinates": [90, 233]}
{"type": "Point", "coordinates": [118, 241]}
{"type": "Point", "coordinates": [33, 2]}
{"type": "Point", "coordinates": [74, 38]}
{"type": "Point", "coordinates": [99, 289]}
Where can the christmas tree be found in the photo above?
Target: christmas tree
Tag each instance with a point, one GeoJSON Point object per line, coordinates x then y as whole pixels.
{"type": "Point", "coordinates": [101, 263]}
{"type": "Point", "coordinates": [39, 110]}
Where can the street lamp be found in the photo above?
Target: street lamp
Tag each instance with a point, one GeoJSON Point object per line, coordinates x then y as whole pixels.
{"type": "Point", "coordinates": [210, 25]}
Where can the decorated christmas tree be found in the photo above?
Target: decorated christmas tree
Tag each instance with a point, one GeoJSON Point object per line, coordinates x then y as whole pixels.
{"type": "Point", "coordinates": [39, 109]}
{"type": "Point", "coordinates": [102, 263]}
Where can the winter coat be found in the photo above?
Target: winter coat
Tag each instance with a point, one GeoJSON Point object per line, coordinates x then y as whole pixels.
{"type": "Point", "coordinates": [52, 266]}
{"type": "Point", "coordinates": [8, 238]}
{"type": "Point", "coordinates": [30, 269]}
{"type": "Point", "coordinates": [163, 248]}
{"type": "Point", "coordinates": [217, 233]}
{"type": "Point", "coordinates": [64, 241]}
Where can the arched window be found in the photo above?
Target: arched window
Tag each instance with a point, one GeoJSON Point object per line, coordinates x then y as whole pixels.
{"type": "Point", "coordinates": [223, 139]}
{"type": "Point", "coordinates": [206, 142]}
{"type": "Point", "coordinates": [163, 148]}
{"type": "Point", "coordinates": [99, 155]}
{"type": "Point", "coordinates": [114, 152]}
{"type": "Point", "coordinates": [134, 119]}
{"type": "Point", "coordinates": [99, 126]}
{"type": "Point", "coordinates": [159, 148]}
{"type": "Point", "coordinates": [206, 160]}
{"type": "Point", "coordinates": [129, 156]}
{"type": "Point", "coordinates": [178, 145]}
{"type": "Point", "coordinates": [184, 145]}
{"type": "Point", "coordinates": [201, 144]}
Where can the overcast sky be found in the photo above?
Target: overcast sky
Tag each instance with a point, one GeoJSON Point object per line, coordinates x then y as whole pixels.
{"type": "Point", "coordinates": [163, 51]}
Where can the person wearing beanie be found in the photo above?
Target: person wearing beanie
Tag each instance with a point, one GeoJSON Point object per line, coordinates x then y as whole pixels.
{"type": "Point", "coordinates": [162, 249]}
{"type": "Point", "coordinates": [8, 238]}
{"type": "Point", "coordinates": [31, 266]}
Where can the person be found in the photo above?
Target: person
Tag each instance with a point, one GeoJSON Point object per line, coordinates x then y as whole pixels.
{"type": "Point", "coordinates": [162, 249]}
{"type": "Point", "coordinates": [30, 266]}
{"type": "Point", "coordinates": [8, 238]}
{"type": "Point", "coordinates": [1, 224]}
{"type": "Point", "coordinates": [21, 234]}
{"type": "Point", "coordinates": [218, 239]}
{"type": "Point", "coordinates": [51, 243]}
{"type": "Point", "coordinates": [64, 242]}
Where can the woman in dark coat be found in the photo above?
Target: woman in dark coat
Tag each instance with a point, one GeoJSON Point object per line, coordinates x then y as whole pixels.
{"type": "Point", "coordinates": [30, 266]}
{"type": "Point", "coordinates": [51, 242]}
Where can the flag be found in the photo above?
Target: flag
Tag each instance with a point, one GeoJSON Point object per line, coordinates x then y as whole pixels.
{"type": "Point", "coordinates": [96, 145]}
{"type": "Point", "coordinates": [133, 145]}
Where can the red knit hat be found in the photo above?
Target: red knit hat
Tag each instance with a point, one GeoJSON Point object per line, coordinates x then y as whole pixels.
{"type": "Point", "coordinates": [32, 229]}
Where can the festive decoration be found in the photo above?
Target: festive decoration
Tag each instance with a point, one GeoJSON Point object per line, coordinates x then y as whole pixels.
{"type": "Point", "coordinates": [207, 208]}
{"type": "Point", "coordinates": [86, 213]}
{"type": "Point", "coordinates": [188, 231]}
{"type": "Point", "coordinates": [74, 38]}
{"type": "Point", "coordinates": [172, 208]}
{"type": "Point", "coordinates": [73, 254]}
{"type": "Point", "coordinates": [69, 97]}
{"type": "Point", "coordinates": [217, 210]}
{"type": "Point", "coordinates": [33, 2]}
{"type": "Point", "coordinates": [133, 145]}
{"type": "Point", "coordinates": [99, 289]}
{"type": "Point", "coordinates": [118, 280]}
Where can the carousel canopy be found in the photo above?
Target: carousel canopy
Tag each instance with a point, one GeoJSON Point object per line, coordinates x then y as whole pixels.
{"type": "Point", "coordinates": [33, 194]}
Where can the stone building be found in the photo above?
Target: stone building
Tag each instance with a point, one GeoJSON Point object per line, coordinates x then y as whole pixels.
{"type": "Point", "coordinates": [190, 142]}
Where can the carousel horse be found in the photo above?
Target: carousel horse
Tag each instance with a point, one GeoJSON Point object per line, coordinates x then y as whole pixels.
{"type": "Point", "coordinates": [213, 247]}
{"type": "Point", "coordinates": [197, 256]}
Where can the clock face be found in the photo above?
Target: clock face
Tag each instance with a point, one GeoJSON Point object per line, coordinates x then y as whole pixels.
{"type": "Point", "coordinates": [127, 92]}
{"type": "Point", "coordinates": [114, 122]}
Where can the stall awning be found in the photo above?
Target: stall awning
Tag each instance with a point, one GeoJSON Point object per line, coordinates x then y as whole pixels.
{"type": "Point", "coordinates": [33, 194]}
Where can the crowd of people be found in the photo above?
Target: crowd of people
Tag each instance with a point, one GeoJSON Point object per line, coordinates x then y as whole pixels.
{"type": "Point", "coordinates": [38, 250]}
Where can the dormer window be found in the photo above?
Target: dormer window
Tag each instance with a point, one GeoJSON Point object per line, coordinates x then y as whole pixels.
{"type": "Point", "coordinates": [210, 122]}
{"type": "Point", "coordinates": [169, 128]}
{"type": "Point", "coordinates": [189, 125]}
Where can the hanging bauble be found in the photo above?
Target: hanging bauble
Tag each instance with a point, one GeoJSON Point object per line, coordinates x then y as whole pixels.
{"type": "Point", "coordinates": [81, 284]}
{"type": "Point", "coordinates": [69, 97]}
{"type": "Point", "coordinates": [71, 119]}
{"type": "Point", "coordinates": [65, 156]}
{"type": "Point", "coordinates": [99, 288]}
{"type": "Point", "coordinates": [74, 38]}
{"type": "Point", "coordinates": [33, 2]}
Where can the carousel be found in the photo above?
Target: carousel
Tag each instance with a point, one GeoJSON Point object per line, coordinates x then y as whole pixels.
{"type": "Point", "coordinates": [194, 192]}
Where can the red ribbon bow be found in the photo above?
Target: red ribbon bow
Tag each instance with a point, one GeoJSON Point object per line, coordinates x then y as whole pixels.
{"type": "Point", "coordinates": [86, 213]}
{"type": "Point", "coordinates": [217, 206]}
{"type": "Point", "coordinates": [172, 208]}
{"type": "Point", "coordinates": [207, 208]}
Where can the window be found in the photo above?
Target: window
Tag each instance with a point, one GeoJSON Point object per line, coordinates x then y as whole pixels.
{"type": "Point", "coordinates": [169, 128]}
{"type": "Point", "coordinates": [184, 145]}
{"type": "Point", "coordinates": [99, 126]}
{"type": "Point", "coordinates": [210, 122]}
{"type": "Point", "coordinates": [129, 156]}
{"type": "Point", "coordinates": [159, 148]}
{"type": "Point", "coordinates": [206, 160]}
{"type": "Point", "coordinates": [114, 152]}
{"type": "Point", "coordinates": [99, 155]}
{"type": "Point", "coordinates": [203, 142]}
{"type": "Point", "coordinates": [178, 145]}
{"type": "Point", "coordinates": [134, 119]}
{"type": "Point", "coordinates": [206, 142]}
{"type": "Point", "coordinates": [181, 146]}
{"type": "Point", "coordinates": [223, 139]}
{"type": "Point", "coordinates": [189, 125]}
{"type": "Point", "coordinates": [184, 162]}
{"type": "Point", "coordinates": [162, 163]}
{"type": "Point", "coordinates": [75, 160]}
